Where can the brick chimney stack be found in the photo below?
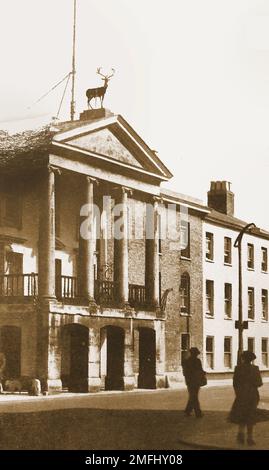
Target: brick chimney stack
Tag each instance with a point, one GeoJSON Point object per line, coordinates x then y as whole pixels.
{"type": "Point", "coordinates": [220, 197]}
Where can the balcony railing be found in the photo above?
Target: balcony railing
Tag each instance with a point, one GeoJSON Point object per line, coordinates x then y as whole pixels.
{"type": "Point", "coordinates": [105, 292]}
{"type": "Point", "coordinates": [137, 295]}
{"type": "Point", "coordinates": [26, 285]}
{"type": "Point", "coordinates": [18, 285]}
{"type": "Point", "coordinates": [66, 287]}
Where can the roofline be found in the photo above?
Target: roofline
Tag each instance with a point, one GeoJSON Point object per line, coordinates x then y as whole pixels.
{"type": "Point", "coordinates": [237, 227]}
{"type": "Point", "coordinates": [109, 160]}
{"type": "Point", "coordinates": [116, 119]}
{"type": "Point", "coordinates": [181, 202]}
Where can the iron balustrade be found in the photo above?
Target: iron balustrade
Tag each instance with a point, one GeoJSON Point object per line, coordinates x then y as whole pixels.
{"type": "Point", "coordinates": [137, 295]}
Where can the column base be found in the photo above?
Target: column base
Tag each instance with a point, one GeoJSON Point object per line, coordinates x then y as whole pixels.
{"type": "Point", "coordinates": [161, 381]}
{"type": "Point", "coordinates": [51, 385]}
{"type": "Point", "coordinates": [92, 306]}
{"type": "Point", "coordinates": [94, 384]}
{"type": "Point", "coordinates": [128, 383]}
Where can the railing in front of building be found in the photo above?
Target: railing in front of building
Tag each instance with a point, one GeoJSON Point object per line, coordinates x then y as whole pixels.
{"type": "Point", "coordinates": [137, 295]}
{"type": "Point", "coordinates": [26, 285]}
{"type": "Point", "coordinates": [66, 287]}
{"type": "Point", "coordinates": [18, 285]}
{"type": "Point", "coordinates": [105, 292]}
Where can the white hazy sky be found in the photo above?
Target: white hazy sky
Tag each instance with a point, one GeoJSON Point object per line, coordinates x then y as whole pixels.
{"type": "Point", "coordinates": [192, 78]}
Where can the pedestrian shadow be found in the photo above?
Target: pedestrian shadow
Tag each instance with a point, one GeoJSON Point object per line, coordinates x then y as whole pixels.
{"type": "Point", "coordinates": [262, 415]}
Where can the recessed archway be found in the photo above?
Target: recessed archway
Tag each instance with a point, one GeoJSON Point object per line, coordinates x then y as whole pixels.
{"type": "Point", "coordinates": [10, 345]}
{"type": "Point", "coordinates": [114, 358]}
{"type": "Point", "coordinates": [147, 358]}
{"type": "Point", "coordinates": [74, 360]}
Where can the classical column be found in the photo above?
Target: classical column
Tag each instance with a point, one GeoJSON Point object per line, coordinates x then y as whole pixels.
{"type": "Point", "coordinates": [160, 354]}
{"type": "Point", "coordinates": [46, 252]}
{"type": "Point", "coordinates": [121, 276]}
{"type": "Point", "coordinates": [152, 267]}
{"type": "Point", "coordinates": [94, 376]}
{"type": "Point", "coordinates": [87, 241]}
{"type": "Point", "coordinates": [129, 378]}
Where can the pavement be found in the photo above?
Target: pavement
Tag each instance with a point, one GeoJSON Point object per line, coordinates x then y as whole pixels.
{"type": "Point", "coordinates": [140, 419]}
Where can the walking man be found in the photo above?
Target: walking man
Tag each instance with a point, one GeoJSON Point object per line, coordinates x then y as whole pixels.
{"type": "Point", "coordinates": [194, 378]}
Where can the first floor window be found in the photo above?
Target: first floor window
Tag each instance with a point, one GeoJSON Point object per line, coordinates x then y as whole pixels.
{"type": "Point", "coordinates": [264, 264]}
{"type": "Point", "coordinates": [185, 346]}
{"type": "Point", "coordinates": [251, 306]}
{"type": "Point", "coordinates": [227, 250]}
{"type": "Point", "coordinates": [209, 254]}
{"type": "Point", "coordinates": [265, 352]}
{"type": "Point", "coordinates": [228, 300]}
{"type": "Point", "coordinates": [264, 304]}
{"type": "Point", "coordinates": [228, 352]}
{"type": "Point", "coordinates": [185, 293]}
{"type": "Point", "coordinates": [210, 352]}
{"type": "Point", "coordinates": [250, 256]}
{"type": "Point", "coordinates": [210, 297]}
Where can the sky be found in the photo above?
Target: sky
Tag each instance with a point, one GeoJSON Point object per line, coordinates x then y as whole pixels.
{"type": "Point", "coordinates": [192, 78]}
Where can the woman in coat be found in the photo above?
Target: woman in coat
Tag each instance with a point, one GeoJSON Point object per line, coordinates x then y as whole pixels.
{"type": "Point", "coordinates": [246, 380]}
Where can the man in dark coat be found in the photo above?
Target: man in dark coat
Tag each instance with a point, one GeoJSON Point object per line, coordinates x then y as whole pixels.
{"type": "Point", "coordinates": [193, 373]}
{"type": "Point", "coordinates": [246, 381]}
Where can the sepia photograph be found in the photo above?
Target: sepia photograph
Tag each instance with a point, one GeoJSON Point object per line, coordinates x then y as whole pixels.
{"type": "Point", "coordinates": [134, 229]}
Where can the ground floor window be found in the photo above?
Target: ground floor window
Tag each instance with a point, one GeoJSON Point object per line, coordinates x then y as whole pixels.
{"type": "Point", "coordinates": [185, 346]}
{"type": "Point", "coordinates": [265, 352]}
{"type": "Point", "coordinates": [210, 352]}
{"type": "Point", "coordinates": [228, 352]}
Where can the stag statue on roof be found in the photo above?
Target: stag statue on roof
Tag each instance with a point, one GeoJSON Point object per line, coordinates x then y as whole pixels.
{"type": "Point", "coordinates": [100, 91]}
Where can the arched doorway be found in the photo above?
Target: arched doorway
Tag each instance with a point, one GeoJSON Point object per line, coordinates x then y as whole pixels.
{"type": "Point", "coordinates": [147, 358]}
{"type": "Point", "coordinates": [74, 362]}
{"type": "Point", "coordinates": [10, 345]}
{"type": "Point", "coordinates": [115, 358]}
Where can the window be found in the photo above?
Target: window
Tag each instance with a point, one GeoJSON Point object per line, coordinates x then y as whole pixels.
{"type": "Point", "coordinates": [185, 293]}
{"type": "Point", "coordinates": [185, 239]}
{"type": "Point", "coordinates": [250, 256]}
{"type": "Point", "coordinates": [185, 346]}
{"type": "Point", "coordinates": [264, 304]}
{"type": "Point", "coordinates": [251, 346]}
{"type": "Point", "coordinates": [264, 260]}
{"type": "Point", "coordinates": [210, 298]}
{"type": "Point", "coordinates": [228, 352]}
{"type": "Point", "coordinates": [251, 306]}
{"type": "Point", "coordinates": [228, 300]}
{"type": "Point", "coordinates": [209, 352]}
{"type": "Point", "coordinates": [227, 250]}
{"type": "Point", "coordinates": [209, 254]}
{"type": "Point", "coordinates": [265, 352]}
{"type": "Point", "coordinates": [11, 210]}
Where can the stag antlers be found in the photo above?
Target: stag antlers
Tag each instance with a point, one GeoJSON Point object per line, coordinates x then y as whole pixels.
{"type": "Point", "coordinates": [105, 77]}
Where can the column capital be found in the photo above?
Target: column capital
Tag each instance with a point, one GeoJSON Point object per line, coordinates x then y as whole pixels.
{"type": "Point", "coordinates": [123, 190]}
{"type": "Point", "coordinates": [92, 180]}
{"type": "Point", "coordinates": [157, 199]}
{"type": "Point", "coordinates": [54, 169]}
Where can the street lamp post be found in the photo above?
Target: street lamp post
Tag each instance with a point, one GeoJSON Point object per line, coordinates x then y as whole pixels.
{"type": "Point", "coordinates": [240, 324]}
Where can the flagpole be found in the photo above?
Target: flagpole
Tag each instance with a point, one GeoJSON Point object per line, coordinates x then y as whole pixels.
{"type": "Point", "coordinates": [72, 105]}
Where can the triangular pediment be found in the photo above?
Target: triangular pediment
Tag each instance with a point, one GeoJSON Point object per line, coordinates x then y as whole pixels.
{"type": "Point", "coordinates": [104, 142]}
{"type": "Point", "coordinates": [114, 140]}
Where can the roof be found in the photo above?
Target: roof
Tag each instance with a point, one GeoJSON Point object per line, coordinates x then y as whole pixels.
{"type": "Point", "coordinates": [189, 201]}
{"type": "Point", "coordinates": [232, 222]}
{"type": "Point", "coordinates": [34, 145]}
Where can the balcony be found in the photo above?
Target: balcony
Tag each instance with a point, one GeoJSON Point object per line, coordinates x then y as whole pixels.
{"type": "Point", "coordinates": [25, 286]}
{"type": "Point", "coordinates": [15, 286]}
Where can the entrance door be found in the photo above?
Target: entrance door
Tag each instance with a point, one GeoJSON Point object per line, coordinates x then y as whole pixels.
{"type": "Point", "coordinates": [115, 358]}
{"type": "Point", "coordinates": [75, 347]}
{"type": "Point", "coordinates": [147, 358]}
{"type": "Point", "coordinates": [10, 345]}
{"type": "Point", "coordinates": [15, 269]}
